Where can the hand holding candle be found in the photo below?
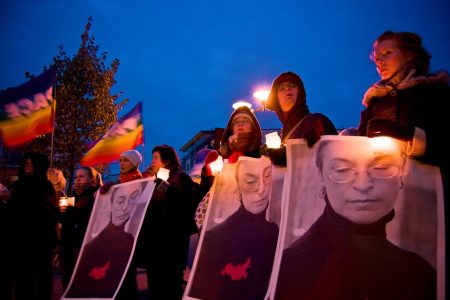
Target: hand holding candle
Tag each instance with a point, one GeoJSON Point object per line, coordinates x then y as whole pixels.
{"type": "Point", "coordinates": [64, 202]}
{"type": "Point", "coordinates": [273, 140]}
{"type": "Point", "coordinates": [216, 166]}
{"type": "Point", "coordinates": [163, 174]}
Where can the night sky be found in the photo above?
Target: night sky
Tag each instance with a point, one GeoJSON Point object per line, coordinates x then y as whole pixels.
{"type": "Point", "coordinates": [188, 61]}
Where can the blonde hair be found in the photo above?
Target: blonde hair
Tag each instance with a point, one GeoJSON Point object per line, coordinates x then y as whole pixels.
{"type": "Point", "coordinates": [56, 177]}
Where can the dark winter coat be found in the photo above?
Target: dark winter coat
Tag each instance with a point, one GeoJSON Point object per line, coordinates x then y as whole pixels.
{"type": "Point", "coordinates": [32, 210]}
{"type": "Point", "coordinates": [417, 102]}
{"type": "Point", "coordinates": [33, 217]}
{"type": "Point", "coordinates": [338, 259]}
{"type": "Point", "coordinates": [76, 218]}
{"type": "Point", "coordinates": [163, 242]}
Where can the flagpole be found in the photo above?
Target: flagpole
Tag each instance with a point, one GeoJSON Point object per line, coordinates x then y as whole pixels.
{"type": "Point", "coordinates": [53, 125]}
{"type": "Point", "coordinates": [143, 157]}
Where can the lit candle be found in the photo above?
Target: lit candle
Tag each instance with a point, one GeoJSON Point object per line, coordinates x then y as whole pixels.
{"type": "Point", "coordinates": [163, 174]}
{"type": "Point", "coordinates": [216, 166]}
{"type": "Point", "coordinates": [63, 202]}
{"type": "Point", "coordinates": [383, 144]}
{"type": "Point", "coordinates": [273, 140]}
{"type": "Point", "coordinates": [71, 201]}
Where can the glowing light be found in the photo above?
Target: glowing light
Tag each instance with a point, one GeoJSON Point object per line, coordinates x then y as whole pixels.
{"type": "Point", "coordinates": [163, 174]}
{"type": "Point", "coordinates": [273, 140]}
{"type": "Point", "coordinates": [261, 95]}
{"type": "Point", "coordinates": [383, 144]}
{"type": "Point", "coordinates": [63, 202]}
{"type": "Point", "coordinates": [66, 201]}
{"type": "Point", "coordinates": [238, 104]}
{"type": "Point", "coordinates": [216, 166]}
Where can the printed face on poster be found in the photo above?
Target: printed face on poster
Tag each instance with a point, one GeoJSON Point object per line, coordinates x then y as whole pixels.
{"type": "Point", "coordinates": [362, 212]}
{"type": "Point", "coordinates": [110, 240]}
{"type": "Point", "coordinates": [236, 249]}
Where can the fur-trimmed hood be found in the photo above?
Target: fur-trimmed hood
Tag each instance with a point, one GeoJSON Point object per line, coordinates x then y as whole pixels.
{"type": "Point", "coordinates": [381, 88]}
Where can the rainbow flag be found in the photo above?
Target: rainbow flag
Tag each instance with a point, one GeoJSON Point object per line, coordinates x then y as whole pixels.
{"type": "Point", "coordinates": [126, 134]}
{"type": "Point", "coordinates": [27, 110]}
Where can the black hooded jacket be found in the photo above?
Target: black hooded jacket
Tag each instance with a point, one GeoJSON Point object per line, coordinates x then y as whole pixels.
{"type": "Point", "coordinates": [312, 123]}
{"type": "Point", "coordinates": [253, 151]}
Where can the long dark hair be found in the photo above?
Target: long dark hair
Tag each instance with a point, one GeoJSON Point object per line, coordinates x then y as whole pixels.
{"type": "Point", "coordinates": [169, 157]}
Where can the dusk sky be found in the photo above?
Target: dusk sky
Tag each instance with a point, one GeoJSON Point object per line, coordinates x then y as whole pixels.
{"type": "Point", "coordinates": [188, 61]}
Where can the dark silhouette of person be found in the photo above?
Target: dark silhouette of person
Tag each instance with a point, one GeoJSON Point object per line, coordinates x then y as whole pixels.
{"type": "Point", "coordinates": [345, 253]}
{"type": "Point", "coordinates": [236, 257]}
{"type": "Point", "coordinates": [33, 217]}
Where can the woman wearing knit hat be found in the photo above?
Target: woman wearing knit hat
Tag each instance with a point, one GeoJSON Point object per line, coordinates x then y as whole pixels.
{"type": "Point", "coordinates": [129, 164]}
{"type": "Point", "coordinates": [287, 99]}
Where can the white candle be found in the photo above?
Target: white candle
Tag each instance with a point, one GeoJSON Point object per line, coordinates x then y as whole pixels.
{"type": "Point", "coordinates": [163, 174]}
{"type": "Point", "coordinates": [216, 166]}
{"type": "Point", "coordinates": [71, 201]}
{"type": "Point", "coordinates": [273, 140]}
{"type": "Point", "coordinates": [63, 202]}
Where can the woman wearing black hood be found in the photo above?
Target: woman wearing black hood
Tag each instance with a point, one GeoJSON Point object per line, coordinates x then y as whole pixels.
{"type": "Point", "coordinates": [287, 99]}
{"type": "Point", "coordinates": [242, 137]}
{"type": "Point", "coordinates": [33, 216]}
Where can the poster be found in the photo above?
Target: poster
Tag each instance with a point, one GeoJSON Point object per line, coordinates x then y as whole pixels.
{"type": "Point", "coordinates": [110, 240]}
{"type": "Point", "coordinates": [238, 241]}
{"type": "Point", "coordinates": [359, 221]}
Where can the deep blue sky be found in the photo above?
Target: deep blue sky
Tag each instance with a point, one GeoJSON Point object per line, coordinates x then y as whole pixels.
{"type": "Point", "coordinates": [188, 61]}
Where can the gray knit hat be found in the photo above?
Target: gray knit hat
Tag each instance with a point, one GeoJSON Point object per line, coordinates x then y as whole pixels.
{"type": "Point", "coordinates": [134, 156]}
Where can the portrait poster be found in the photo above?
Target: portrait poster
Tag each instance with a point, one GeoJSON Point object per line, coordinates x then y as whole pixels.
{"type": "Point", "coordinates": [237, 244]}
{"type": "Point", "coordinates": [360, 220]}
{"type": "Point", "coordinates": [110, 240]}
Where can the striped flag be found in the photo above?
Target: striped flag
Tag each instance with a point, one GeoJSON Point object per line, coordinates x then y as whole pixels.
{"type": "Point", "coordinates": [27, 111]}
{"type": "Point", "coordinates": [125, 134]}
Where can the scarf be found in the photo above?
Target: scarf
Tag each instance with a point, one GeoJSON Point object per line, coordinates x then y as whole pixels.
{"type": "Point", "coordinates": [130, 176]}
{"type": "Point", "coordinates": [403, 80]}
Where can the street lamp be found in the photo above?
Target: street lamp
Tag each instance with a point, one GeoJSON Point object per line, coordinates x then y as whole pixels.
{"type": "Point", "coordinates": [262, 96]}
{"type": "Point", "coordinates": [240, 103]}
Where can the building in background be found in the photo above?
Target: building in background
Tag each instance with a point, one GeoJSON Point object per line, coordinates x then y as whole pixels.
{"type": "Point", "coordinates": [9, 165]}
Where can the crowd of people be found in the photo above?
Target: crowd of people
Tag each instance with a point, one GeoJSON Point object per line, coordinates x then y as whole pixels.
{"type": "Point", "coordinates": [405, 104]}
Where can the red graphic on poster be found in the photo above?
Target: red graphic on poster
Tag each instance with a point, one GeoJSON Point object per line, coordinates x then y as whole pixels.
{"type": "Point", "coordinates": [237, 272]}
{"type": "Point", "coordinates": [99, 272]}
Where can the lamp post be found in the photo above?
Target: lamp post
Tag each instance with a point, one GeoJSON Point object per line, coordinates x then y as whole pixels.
{"type": "Point", "coordinates": [240, 103]}
{"type": "Point", "coordinates": [261, 95]}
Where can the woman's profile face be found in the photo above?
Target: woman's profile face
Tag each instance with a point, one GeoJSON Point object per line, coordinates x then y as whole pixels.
{"type": "Point", "coordinates": [361, 186]}
{"type": "Point", "coordinates": [156, 160]}
{"type": "Point", "coordinates": [125, 165]}
{"type": "Point", "coordinates": [389, 58]}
